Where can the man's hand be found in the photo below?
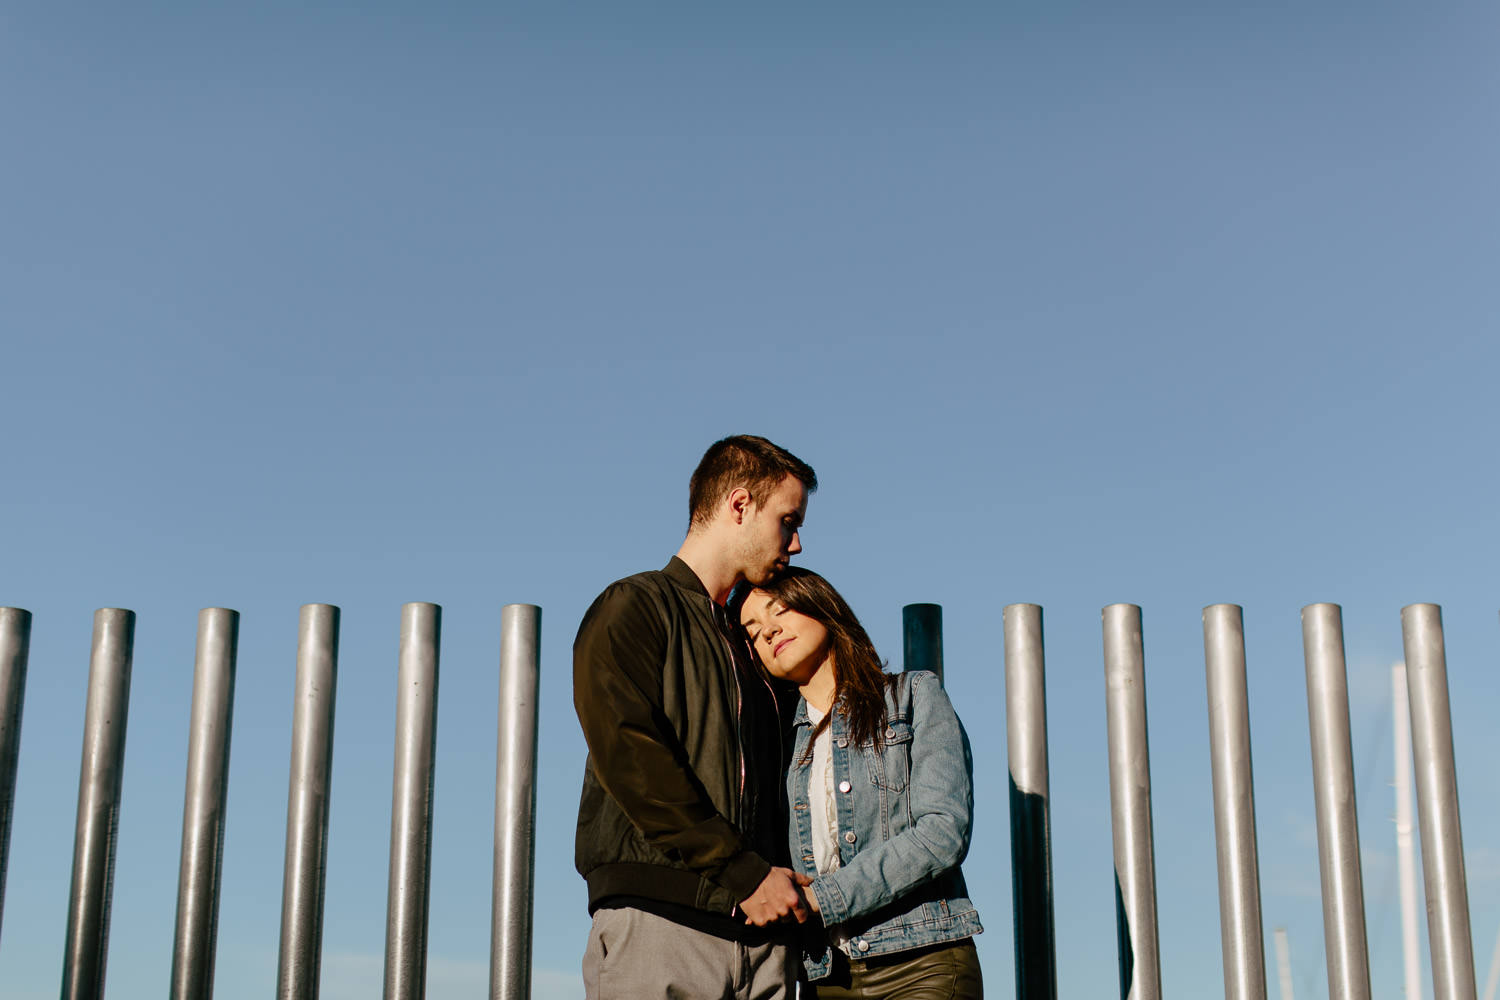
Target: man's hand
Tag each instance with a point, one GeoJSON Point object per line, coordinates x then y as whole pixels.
{"type": "Point", "coordinates": [777, 898]}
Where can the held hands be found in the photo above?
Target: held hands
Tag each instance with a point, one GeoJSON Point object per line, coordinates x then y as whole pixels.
{"type": "Point", "coordinates": [778, 898]}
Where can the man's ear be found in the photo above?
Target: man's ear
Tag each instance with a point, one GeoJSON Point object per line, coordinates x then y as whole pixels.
{"type": "Point", "coordinates": [739, 504]}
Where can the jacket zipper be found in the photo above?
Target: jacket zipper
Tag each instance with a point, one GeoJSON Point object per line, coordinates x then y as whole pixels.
{"type": "Point", "coordinates": [721, 623]}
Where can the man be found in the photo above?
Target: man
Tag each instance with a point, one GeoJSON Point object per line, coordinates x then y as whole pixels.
{"type": "Point", "coordinates": [681, 827]}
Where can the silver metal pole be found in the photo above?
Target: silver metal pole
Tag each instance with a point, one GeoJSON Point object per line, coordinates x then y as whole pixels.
{"type": "Point", "coordinates": [1284, 964]}
{"type": "Point", "coordinates": [515, 802]}
{"type": "Point", "coordinates": [1030, 822]}
{"type": "Point", "coordinates": [308, 792]}
{"type": "Point", "coordinates": [1411, 953]}
{"type": "Point", "coordinates": [1234, 803]}
{"type": "Point", "coordinates": [411, 803]}
{"type": "Point", "coordinates": [1333, 792]}
{"type": "Point", "coordinates": [1130, 803]}
{"type": "Point", "coordinates": [15, 643]}
{"type": "Point", "coordinates": [99, 781]}
{"type": "Point", "coordinates": [1448, 931]}
{"type": "Point", "coordinates": [204, 805]}
{"type": "Point", "coordinates": [922, 638]}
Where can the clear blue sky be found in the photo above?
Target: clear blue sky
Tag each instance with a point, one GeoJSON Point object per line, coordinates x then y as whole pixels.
{"type": "Point", "coordinates": [1066, 304]}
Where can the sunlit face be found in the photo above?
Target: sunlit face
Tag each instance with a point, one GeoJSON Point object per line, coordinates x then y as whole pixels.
{"type": "Point", "coordinates": [770, 536]}
{"type": "Point", "coordinates": [792, 646]}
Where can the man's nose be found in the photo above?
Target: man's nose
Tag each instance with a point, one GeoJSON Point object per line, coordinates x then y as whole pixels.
{"type": "Point", "coordinates": [796, 545]}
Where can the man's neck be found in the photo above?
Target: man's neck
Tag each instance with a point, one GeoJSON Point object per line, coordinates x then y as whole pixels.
{"type": "Point", "coordinates": [717, 577]}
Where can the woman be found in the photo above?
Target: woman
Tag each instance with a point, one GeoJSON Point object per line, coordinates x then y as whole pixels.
{"type": "Point", "coordinates": [880, 786]}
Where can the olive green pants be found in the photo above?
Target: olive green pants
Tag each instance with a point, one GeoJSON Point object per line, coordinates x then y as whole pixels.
{"type": "Point", "coordinates": [943, 972]}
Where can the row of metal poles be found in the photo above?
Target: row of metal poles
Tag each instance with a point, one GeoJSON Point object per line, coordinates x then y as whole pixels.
{"type": "Point", "coordinates": [1234, 803]}
{"type": "Point", "coordinates": [515, 798]}
{"type": "Point", "coordinates": [307, 798]}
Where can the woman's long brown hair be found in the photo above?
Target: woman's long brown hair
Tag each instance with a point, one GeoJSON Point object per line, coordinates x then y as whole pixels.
{"type": "Point", "coordinates": [859, 680]}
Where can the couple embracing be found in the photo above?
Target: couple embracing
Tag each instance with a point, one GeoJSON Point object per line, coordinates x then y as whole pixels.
{"type": "Point", "coordinates": [762, 803]}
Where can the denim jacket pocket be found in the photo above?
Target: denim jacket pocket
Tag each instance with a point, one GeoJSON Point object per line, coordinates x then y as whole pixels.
{"type": "Point", "coordinates": [888, 761]}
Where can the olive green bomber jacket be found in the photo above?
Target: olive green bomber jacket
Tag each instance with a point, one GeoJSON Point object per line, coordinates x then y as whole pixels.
{"type": "Point", "coordinates": [682, 791]}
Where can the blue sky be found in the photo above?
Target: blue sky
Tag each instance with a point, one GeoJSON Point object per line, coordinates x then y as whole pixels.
{"type": "Point", "coordinates": [1066, 304]}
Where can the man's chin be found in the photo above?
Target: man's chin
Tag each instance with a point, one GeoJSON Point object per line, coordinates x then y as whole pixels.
{"type": "Point", "coordinates": [766, 575]}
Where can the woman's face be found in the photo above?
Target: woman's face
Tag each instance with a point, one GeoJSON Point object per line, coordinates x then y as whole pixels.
{"type": "Point", "coordinates": [791, 645]}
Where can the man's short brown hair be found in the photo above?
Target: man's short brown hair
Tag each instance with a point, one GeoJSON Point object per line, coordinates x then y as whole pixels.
{"type": "Point", "coordinates": [742, 460]}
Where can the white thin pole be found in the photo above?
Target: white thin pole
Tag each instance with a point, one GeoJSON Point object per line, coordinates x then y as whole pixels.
{"type": "Point", "coordinates": [1405, 852]}
{"type": "Point", "coordinates": [1494, 980]}
{"type": "Point", "coordinates": [1284, 964]}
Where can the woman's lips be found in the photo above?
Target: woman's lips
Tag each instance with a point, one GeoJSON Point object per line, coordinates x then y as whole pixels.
{"type": "Point", "coordinates": [782, 645]}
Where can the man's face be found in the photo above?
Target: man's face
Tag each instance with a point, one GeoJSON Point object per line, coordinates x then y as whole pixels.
{"type": "Point", "coordinates": [769, 533]}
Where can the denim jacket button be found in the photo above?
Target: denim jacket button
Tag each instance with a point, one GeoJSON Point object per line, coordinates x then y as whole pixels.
{"type": "Point", "coordinates": [890, 733]}
{"type": "Point", "coordinates": [863, 945]}
{"type": "Point", "coordinates": [849, 837]}
{"type": "Point", "coordinates": [844, 787]}
{"type": "Point", "coordinates": [843, 743]}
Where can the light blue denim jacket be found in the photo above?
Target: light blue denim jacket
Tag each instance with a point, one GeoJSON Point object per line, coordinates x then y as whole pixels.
{"type": "Point", "coordinates": [905, 811]}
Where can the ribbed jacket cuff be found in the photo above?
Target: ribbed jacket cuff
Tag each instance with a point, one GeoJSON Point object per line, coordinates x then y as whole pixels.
{"type": "Point", "coordinates": [744, 873]}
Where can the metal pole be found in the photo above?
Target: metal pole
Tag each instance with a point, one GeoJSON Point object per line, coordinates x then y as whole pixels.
{"type": "Point", "coordinates": [204, 805]}
{"type": "Point", "coordinates": [1030, 822]}
{"type": "Point", "coordinates": [99, 780]}
{"type": "Point", "coordinates": [15, 643]}
{"type": "Point", "coordinates": [1284, 964]}
{"type": "Point", "coordinates": [515, 803]}
{"type": "Point", "coordinates": [411, 803]}
{"type": "Point", "coordinates": [922, 638]}
{"type": "Point", "coordinates": [1437, 804]}
{"type": "Point", "coordinates": [1405, 852]}
{"type": "Point", "coordinates": [308, 792]}
{"type": "Point", "coordinates": [1234, 803]}
{"type": "Point", "coordinates": [1130, 803]}
{"type": "Point", "coordinates": [1333, 793]}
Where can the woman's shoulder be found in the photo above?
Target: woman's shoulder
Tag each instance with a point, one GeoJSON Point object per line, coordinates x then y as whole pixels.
{"type": "Point", "coordinates": [915, 693]}
{"type": "Point", "coordinates": [911, 686]}
{"type": "Point", "coordinates": [914, 683]}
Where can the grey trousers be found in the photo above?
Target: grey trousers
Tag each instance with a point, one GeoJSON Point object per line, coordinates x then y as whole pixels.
{"type": "Point", "coordinates": [635, 955]}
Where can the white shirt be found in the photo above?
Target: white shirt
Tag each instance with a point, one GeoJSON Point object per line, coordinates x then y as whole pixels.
{"type": "Point", "coordinates": [820, 800]}
{"type": "Point", "coordinates": [823, 808]}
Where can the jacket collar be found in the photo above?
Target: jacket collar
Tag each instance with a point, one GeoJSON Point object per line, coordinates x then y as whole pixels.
{"type": "Point", "coordinates": [682, 574]}
{"type": "Point", "coordinates": [801, 719]}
